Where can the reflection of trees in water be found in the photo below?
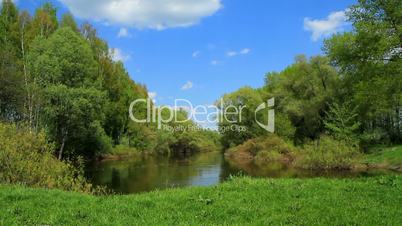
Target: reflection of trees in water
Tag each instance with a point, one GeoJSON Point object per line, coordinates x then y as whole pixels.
{"type": "Point", "coordinates": [157, 172]}
{"type": "Point", "coordinates": [228, 170]}
{"type": "Point", "coordinates": [152, 172]}
{"type": "Point", "coordinates": [115, 182]}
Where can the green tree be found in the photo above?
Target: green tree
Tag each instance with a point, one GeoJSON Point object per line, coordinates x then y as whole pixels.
{"type": "Point", "coordinates": [341, 121]}
{"type": "Point", "coordinates": [73, 117]}
{"type": "Point", "coordinates": [45, 21]}
{"type": "Point", "coordinates": [64, 58]}
{"type": "Point", "coordinates": [238, 111]}
{"type": "Point", "coordinates": [11, 86]}
{"type": "Point", "coordinates": [370, 61]}
{"type": "Point", "coordinates": [302, 93]}
{"type": "Point", "coordinates": [68, 21]}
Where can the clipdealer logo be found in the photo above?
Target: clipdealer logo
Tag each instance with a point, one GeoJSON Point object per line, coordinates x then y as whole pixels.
{"type": "Point", "coordinates": [201, 114]}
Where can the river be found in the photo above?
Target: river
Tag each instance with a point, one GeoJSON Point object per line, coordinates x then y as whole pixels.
{"type": "Point", "coordinates": [148, 173]}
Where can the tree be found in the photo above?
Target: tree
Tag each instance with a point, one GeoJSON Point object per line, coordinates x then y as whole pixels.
{"type": "Point", "coordinates": [370, 61]}
{"type": "Point", "coordinates": [64, 58]}
{"type": "Point", "coordinates": [45, 21]}
{"type": "Point", "coordinates": [302, 93]}
{"type": "Point", "coordinates": [341, 121]}
{"type": "Point", "coordinates": [238, 109]}
{"type": "Point", "coordinates": [74, 117]}
{"type": "Point", "coordinates": [11, 92]}
{"type": "Point", "coordinates": [68, 21]}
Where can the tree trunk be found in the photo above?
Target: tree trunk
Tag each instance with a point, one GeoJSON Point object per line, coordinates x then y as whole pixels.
{"type": "Point", "coordinates": [29, 102]}
{"type": "Point", "coordinates": [63, 142]}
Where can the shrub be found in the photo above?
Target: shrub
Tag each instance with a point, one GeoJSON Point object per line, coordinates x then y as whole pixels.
{"type": "Point", "coordinates": [327, 153]}
{"type": "Point", "coordinates": [376, 136]}
{"type": "Point", "coordinates": [263, 150]}
{"type": "Point", "coordinates": [265, 143]}
{"type": "Point", "coordinates": [268, 156]}
{"type": "Point", "coordinates": [26, 158]}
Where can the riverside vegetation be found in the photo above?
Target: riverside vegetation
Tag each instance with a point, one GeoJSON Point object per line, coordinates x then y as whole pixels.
{"type": "Point", "coordinates": [331, 109]}
{"type": "Point", "coordinates": [64, 101]}
{"type": "Point", "coordinates": [61, 91]}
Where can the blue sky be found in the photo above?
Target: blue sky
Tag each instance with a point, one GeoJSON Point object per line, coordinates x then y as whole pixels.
{"type": "Point", "coordinates": [205, 48]}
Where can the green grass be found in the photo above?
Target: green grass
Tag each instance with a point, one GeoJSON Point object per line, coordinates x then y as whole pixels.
{"type": "Point", "coordinates": [244, 201]}
{"type": "Point", "coordinates": [391, 156]}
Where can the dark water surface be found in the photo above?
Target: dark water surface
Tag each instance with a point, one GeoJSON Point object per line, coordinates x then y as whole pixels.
{"type": "Point", "coordinates": [150, 173]}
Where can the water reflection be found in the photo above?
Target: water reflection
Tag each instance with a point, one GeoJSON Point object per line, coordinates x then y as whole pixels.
{"type": "Point", "coordinates": [150, 173]}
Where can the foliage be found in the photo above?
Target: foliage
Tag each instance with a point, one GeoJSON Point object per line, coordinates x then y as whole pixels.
{"type": "Point", "coordinates": [284, 127]}
{"type": "Point", "coordinates": [302, 93]}
{"type": "Point", "coordinates": [271, 144]}
{"type": "Point", "coordinates": [264, 157]}
{"type": "Point", "coordinates": [341, 122]}
{"type": "Point", "coordinates": [64, 58]}
{"type": "Point", "coordinates": [362, 70]}
{"type": "Point", "coordinates": [374, 137]}
{"type": "Point", "coordinates": [68, 21]}
{"type": "Point", "coordinates": [60, 77]}
{"type": "Point", "coordinates": [327, 153]}
{"type": "Point", "coordinates": [11, 79]}
{"type": "Point", "coordinates": [73, 117]}
{"type": "Point", "coordinates": [238, 108]}
{"type": "Point", "coordinates": [27, 158]}
{"type": "Point", "coordinates": [45, 20]}
{"type": "Point", "coordinates": [370, 60]}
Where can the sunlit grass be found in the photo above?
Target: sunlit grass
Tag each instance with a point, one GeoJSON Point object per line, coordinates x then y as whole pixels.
{"type": "Point", "coordinates": [364, 201]}
{"type": "Point", "coordinates": [386, 156]}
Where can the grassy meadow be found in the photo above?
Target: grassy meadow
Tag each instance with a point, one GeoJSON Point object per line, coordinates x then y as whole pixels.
{"type": "Point", "coordinates": [241, 201]}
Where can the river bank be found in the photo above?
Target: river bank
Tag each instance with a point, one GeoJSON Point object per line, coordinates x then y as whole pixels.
{"type": "Point", "coordinates": [267, 152]}
{"type": "Point", "coordinates": [245, 201]}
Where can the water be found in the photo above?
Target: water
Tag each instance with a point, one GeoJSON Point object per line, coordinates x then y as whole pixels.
{"type": "Point", "coordinates": [142, 174]}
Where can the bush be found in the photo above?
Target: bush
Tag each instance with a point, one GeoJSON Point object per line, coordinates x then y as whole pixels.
{"type": "Point", "coordinates": [268, 156]}
{"type": "Point", "coordinates": [265, 143]}
{"type": "Point", "coordinates": [26, 158]}
{"type": "Point", "coordinates": [373, 137]}
{"type": "Point", "coordinates": [327, 153]}
{"type": "Point", "coordinates": [263, 150]}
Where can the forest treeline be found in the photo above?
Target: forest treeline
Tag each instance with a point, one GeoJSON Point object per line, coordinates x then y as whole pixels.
{"type": "Point", "coordinates": [60, 78]}
{"type": "Point", "coordinates": [351, 96]}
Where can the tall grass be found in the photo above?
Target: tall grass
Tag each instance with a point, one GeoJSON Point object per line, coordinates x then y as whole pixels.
{"type": "Point", "coordinates": [27, 158]}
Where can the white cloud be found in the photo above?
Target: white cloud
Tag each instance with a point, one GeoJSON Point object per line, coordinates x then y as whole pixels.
{"type": "Point", "coordinates": [123, 33]}
{"type": "Point", "coordinates": [324, 28]}
{"type": "Point", "coordinates": [245, 51]}
{"type": "Point", "coordinates": [215, 62]}
{"type": "Point", "coordinates": [231, 53]}
{"type": "Point", "coordinates": [117, 55]}
{"type": "Point", "coordinates": [153, 14]}
{"type": "Point", "coordinates": [187, 86]}
{"type": "Point", "coordinates": [196, 54]}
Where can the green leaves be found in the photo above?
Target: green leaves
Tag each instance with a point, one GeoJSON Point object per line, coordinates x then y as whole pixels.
{"type": "Point", "coordinates": [75, 115]}
{"type": "Point", "coordinates": [302, 92]}
{"type": "Point", "coordinates": [238, 109]}
{"type": "Point", "coordinates": [64, 58]}
{"type": "Point", "coordinates": [342, 122]}
{"type": "Point", "coordinates": [27, 158]}
{"type": "Point", "coordinates": [370, 59]}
